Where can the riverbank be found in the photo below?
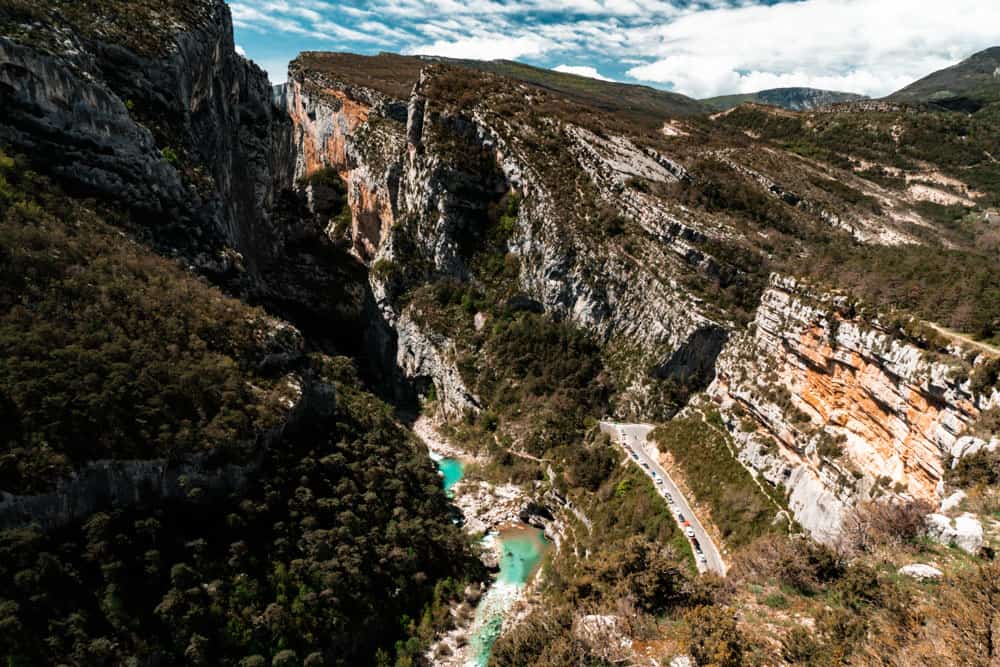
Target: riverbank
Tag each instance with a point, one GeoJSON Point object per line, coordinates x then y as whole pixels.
{"type": "Point", "coordinates": [509, 545]}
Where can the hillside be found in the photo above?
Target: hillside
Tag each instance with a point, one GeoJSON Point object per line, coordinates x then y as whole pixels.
{"type": "Point", "coordinates": [793, 99]}
{"type": "Point", "coordinates": [237, 321]}
{"type": "Point", "coordinates": [391, 74]}
{"type": "Point", "coordinates": [967, 86]}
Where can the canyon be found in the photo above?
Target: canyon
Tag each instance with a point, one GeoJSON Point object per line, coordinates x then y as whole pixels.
{"type": "Point", "coordinates": [520, 263]}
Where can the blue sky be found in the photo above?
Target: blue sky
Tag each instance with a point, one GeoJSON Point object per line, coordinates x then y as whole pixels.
{"type": "Point", "coordinates": [703, 48]}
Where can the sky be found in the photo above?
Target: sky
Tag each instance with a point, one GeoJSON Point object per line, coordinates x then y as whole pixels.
{"type": "Point", "coordinates": [699, 48]}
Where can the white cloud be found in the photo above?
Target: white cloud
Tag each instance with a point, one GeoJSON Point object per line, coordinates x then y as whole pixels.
{"type": "Point", "coordinates": [582, 70]}
{"type": "Point", "coordinates": [240, 50]}
{"type": "Point", "coordinates": [484, 47]}
{"type": "Point", "coordinates": [866, 46]}
{"type": "Point", "coordinates": [701, 48]}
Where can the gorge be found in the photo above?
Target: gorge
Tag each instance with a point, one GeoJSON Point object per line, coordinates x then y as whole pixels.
{"type": "Point", "coordinates": [230, 312]}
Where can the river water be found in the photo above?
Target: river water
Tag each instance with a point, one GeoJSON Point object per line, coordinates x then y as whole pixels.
{"type": "Point", "coordinates": [451, 470]}
{"type": "Point", "coordinates": [521, 548]}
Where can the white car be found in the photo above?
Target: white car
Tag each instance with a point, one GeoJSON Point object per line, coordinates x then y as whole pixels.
{"type": "Point", "coordinates": [669, 497]}
{"type": "Point", "coordinates": [659, 481]}
{"type": "Point", "coordinates": [689, 531]}
{"type": "Point", "coordinates": [701, 558]}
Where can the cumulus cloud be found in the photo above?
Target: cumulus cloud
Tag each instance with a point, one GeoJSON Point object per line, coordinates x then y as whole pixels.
{"type": "Point", "coordinates": [484, 47]}
{"type": "Point", "coordinates": [700, 48]}
{"type": "Point", "coordinates": [866, 46]}
{"type": "Point", "coordinates": [582, 70]}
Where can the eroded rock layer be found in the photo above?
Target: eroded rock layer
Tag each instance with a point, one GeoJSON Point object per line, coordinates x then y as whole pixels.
{"type": "Point", "coordinates": [836, 409]}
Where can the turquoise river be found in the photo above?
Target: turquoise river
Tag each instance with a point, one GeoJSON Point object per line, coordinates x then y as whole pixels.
{"type": "Point", "coordinates": [521, 548]}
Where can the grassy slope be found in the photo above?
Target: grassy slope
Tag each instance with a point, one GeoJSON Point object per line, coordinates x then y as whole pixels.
{"type": "Point", "coordinates": [739, 508]}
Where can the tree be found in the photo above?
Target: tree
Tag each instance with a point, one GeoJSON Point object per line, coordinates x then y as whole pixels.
{"type": "Point", "coordinates": [713, 638]}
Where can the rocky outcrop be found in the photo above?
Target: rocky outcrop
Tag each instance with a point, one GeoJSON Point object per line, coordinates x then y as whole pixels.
{"type": "Point", "coordinates": [836, 410]}
{"type": "Point", "coordinates": [921, 571]}
{"type": "Point", "coordinates": [420, 184]}
{"type": "Point", "coordinates": [187, 139]}
{"type": "Point", "coordinates": [421, 355]}
{"type": "Point", "coordinates": [964, 532]}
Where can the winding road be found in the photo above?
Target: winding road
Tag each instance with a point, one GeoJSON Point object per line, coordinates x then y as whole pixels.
{"type": "Point", "coordinates": [634, 436]}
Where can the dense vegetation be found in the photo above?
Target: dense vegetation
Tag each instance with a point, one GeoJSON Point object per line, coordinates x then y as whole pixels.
{"type": "Point", "coordinates": [859, 610]}
{"type": "Point", "coordinates": [738, 506]}
{"type": "Point", "coordinates": [323, 558]}
{"type": "Point", "coordinates": [108, 351]}
{"type": "Point", "coordinates": [632, 562]}
{"type": "Point", "coordinates": [147, 26]}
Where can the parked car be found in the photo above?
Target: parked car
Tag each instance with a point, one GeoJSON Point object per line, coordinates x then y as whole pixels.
{"type": "Point", "coordinates": [680, 517]}
{"type": "Point", "coordinates": [669, 497]}
{"type": "Point", "coordinates": [660, 482]}
{"type": "Point", "coordinates": [701, 558]}
{"type": "Point", "coordinates": [689, 531]}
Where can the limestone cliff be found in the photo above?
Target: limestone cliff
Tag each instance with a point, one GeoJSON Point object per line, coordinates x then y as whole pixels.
{"type": "Point", "coordinates": [836, 409]}
{"type": "Point", "coordinates": [183, 134]}
{"type": "Point", "coordinates": [420, 178]}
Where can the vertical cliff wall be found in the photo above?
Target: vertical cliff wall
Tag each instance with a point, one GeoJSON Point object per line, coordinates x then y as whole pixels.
{"type": "Point", "coordinates": [181, 132]}
{"type": "Point", "coordinates": [421, 177]}
{"type": "Point", "coordinates": [836, 410]}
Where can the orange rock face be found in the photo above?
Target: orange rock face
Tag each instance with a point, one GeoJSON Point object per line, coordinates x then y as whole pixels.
{"type": "Point", "coordinates": [322, 128]}
{"type": "Point", "coordinates": [324, 120]}
{"type": "Point", "coordinates": [371, 218]}
{"type": "Point", "coordinates": [855, 411]}
{"type": "Point", "coordinates": [891, 426]}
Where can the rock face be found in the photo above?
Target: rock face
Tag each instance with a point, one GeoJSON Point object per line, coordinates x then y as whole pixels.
{"type": "Point", "coordinates": [196, 148]}
{"type": "Point", "coordinates": [420, 180]}
{"type": "Point", "coordinates": [835, 409]}
{"type": "Point", "coordinates": [191, 143]}
{"type": "Point", "coordinates": [964, 532]}
{"type": "Point", "coordinates": [187, 139]}
{"type": "Point", "coordinates": [184, 142]}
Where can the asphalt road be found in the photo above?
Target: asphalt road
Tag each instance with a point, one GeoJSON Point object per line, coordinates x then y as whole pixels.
{"type": "Point", "coordinates": [634, 435]}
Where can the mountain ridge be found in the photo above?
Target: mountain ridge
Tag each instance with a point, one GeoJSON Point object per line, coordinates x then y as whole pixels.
{"type": "Point", "coordinates": [967, 86]}
{"type": "Point", "coordinates": [791, 98]}
{"type": "Point", "coordinates": [515, 261]}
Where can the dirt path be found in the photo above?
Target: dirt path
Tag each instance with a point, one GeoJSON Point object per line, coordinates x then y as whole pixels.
{"type": "Point", "coordinates": [963, 339]}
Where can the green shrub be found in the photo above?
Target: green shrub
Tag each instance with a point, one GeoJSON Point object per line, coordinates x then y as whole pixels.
{"type": "Point", "coordinates": [170, 155]}
{"type": "Point", "coordinates": [739, 508]}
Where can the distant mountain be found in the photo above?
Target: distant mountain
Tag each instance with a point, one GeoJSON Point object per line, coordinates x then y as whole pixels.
{"type": "Point", "coordinates": [967, 86]}
{"type": "Point", "coordinates": [794, 99]}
